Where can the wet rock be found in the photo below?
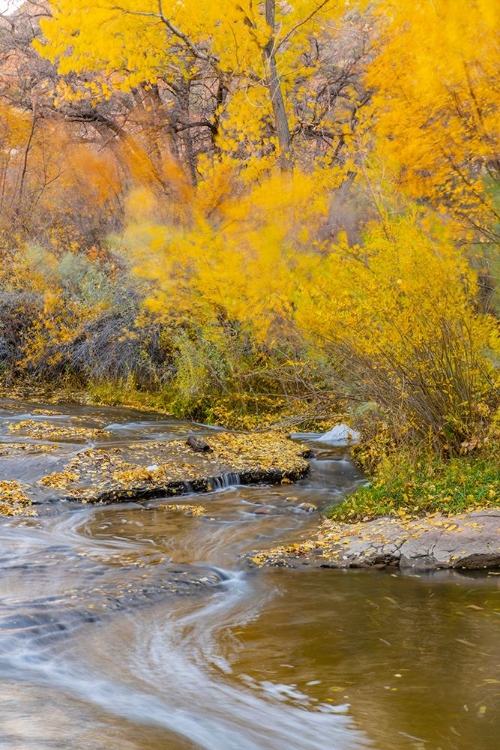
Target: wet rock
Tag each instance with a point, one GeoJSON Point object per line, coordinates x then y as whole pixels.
{"type": "Point", "coordinates": [307, 507]}
{"type": "Point", "coordinates": [341, 434]}
{"type": "Point", "coordinates": [468, 541]}
{"type": "Point", "coordinates": [142, 470]}
{"type": "Point", "coordinates": [308, 453]}
{"type": "Point", "coordinates": [198, 445]}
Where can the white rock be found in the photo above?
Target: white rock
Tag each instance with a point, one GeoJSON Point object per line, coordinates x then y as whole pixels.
{"type": "Point", "coordinates": [341, 434]}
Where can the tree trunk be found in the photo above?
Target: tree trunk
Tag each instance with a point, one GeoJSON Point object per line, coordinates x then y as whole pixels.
{"type": "Point", "coordinates": [276, 94]}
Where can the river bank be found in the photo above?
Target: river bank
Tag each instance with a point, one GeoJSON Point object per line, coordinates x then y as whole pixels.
{"type": "Point", "coordinates": [81, 461]}
{"type": "Point", "coordinates": [468, 541]}
{"type": "Point", "coordinates": [414, 515]}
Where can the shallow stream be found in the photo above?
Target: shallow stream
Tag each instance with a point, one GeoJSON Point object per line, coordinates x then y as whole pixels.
{"type": "Point", "coordinates": [132, 627]}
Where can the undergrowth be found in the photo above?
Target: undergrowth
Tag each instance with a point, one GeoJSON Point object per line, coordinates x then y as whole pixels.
{"type": "Point", "coordinates": [407, 486]}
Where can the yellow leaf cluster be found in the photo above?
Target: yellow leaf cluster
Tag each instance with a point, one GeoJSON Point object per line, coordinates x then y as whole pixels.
{"type": "Point", "coordinates": [437, 97]}
{"type": "Point", "coordinates": [142, 43]}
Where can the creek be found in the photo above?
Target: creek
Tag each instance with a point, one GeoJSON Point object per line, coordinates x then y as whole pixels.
{"type": "Point", "coordinates": [137, 627]}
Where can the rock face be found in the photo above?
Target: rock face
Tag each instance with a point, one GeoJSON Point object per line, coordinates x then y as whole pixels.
{"type": "Point", "coordinates": [153, 469]}
{"type": "Point", "coordinates": [466, 541]}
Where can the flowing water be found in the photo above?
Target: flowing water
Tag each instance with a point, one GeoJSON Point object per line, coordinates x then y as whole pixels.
{"type": "Point", "coordinates": [132, 627]}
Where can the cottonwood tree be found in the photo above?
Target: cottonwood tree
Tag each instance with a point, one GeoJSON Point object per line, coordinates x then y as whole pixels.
{"type": "Point", "coordinates": [225, 79]}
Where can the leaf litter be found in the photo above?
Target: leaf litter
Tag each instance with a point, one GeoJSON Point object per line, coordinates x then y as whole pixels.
{"type": "Point", "coordinates": [151, 469]}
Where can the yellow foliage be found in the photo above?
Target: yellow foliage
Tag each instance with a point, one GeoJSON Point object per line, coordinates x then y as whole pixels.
{"type": "Point", "coordinates": [395, 316]}
{"type": "Point", "coordinates": [398, 316]}
{"type": "Point", "coordinates": [236, 250]}
{"type": "Point", "coordinates": [141, 43]}
{"type": "Point", "coordinates": [437, 97]}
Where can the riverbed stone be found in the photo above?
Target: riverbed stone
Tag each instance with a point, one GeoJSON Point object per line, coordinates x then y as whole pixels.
{"type": "Point", "coordinates": [147, 469]}
{"type": "Point", "coordinates": [465, 541]}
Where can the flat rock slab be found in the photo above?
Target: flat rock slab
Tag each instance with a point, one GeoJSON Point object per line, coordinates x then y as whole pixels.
{"type": "Point", "coordinates": [151, 469]}
{"type": "Point", "coordinates": [466, 541]}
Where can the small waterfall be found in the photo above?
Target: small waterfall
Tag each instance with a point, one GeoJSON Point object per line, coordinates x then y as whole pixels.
{"type": "Point", "coordinates": [226, 480]}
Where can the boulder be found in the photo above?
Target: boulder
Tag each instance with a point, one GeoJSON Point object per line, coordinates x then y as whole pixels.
{"type": "Point", "coordinates": [341, 434]}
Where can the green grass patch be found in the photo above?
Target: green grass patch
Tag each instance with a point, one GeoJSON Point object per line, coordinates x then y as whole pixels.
{"type": "Point", "coordinates": [408, 487]}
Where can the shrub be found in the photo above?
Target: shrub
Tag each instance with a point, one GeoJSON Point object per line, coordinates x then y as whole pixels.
{"type": "Point", "coordinates": [398, 320]}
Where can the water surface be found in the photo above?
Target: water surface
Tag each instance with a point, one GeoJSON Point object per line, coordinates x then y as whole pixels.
{"type": "Point", "coordinates": [133, 627]}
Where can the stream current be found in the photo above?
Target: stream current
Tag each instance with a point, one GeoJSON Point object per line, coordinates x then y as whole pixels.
{"type": "Point", "coordinates": [133, 627]}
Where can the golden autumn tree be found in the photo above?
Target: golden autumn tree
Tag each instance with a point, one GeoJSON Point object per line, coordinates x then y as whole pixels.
{"type": "Point", "coordinates": [234, 74]}
{"type": "Point", "coordinates": [436, 102]}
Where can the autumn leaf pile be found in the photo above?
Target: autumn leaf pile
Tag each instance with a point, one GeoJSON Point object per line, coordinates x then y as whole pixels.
{"type": "Point", "coordinates": [51, 432]}
{"type": "Point", "coordinates": [13, 499]}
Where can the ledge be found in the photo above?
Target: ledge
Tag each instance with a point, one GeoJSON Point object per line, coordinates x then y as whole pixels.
{"type": "Point", "coordinates": [144, 470]}
{"type": "Point", "coordinates": [468, 541]}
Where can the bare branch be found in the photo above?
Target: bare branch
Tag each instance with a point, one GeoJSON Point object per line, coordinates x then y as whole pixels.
{"type": "Point", "coordinates": [301, 23]}
{"type": "Point", "coordinates": [201, 124]}
{"type": "Point", "coordinates": [180, 35]}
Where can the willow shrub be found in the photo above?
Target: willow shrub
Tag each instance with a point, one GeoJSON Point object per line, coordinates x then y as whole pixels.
{"type": "Point", "coordinates": [395, 317]}
{"type": "Point", "coordinates": [398, 319]}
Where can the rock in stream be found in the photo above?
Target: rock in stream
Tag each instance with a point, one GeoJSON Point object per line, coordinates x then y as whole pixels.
{"type": "Point", "coordinates": [137, 470]}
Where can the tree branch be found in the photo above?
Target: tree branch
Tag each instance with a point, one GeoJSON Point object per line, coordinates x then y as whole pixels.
{"type": "Point", "coordinates": [301, 23]}
{"type": "Point", "coordinates": [200, 124]}
{"type": "Point", "coordinates": [180, 35]}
